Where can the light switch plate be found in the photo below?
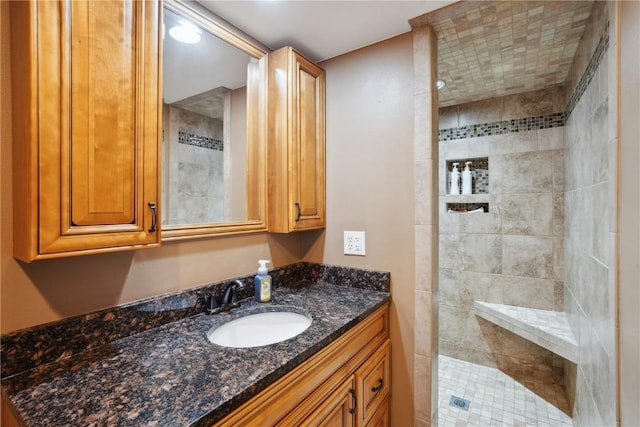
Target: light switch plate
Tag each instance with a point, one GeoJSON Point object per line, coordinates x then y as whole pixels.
{"type": "Point", "coordinates": [354, 243]}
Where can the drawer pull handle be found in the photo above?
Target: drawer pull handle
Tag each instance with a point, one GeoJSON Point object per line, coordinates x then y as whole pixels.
{"type": "Point", "coordinates": [355, 401]}
{"type": "Point", "coordinates": [379, 386]}
{"type": "Point", "coordinates": [154, 218]}
{"type": "Point", "coordinates": [299, 212]}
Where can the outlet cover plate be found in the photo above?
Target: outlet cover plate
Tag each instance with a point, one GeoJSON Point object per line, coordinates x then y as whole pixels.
{"type": "Point", "coordinates": [354, 243]}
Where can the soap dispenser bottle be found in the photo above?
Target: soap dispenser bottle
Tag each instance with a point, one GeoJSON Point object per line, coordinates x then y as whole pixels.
{"type": "Point", "coordinates": [263, 282]}
{"type": "Point", "coordinates": [466, 179]}
{"type": "Point", "coordinates": [454, 187]}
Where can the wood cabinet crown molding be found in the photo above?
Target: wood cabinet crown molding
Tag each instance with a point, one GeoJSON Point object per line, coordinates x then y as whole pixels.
{"type": "Point", "coordinates": [296, 142]}
{"type": "Point", "coordinates": [86, 126]}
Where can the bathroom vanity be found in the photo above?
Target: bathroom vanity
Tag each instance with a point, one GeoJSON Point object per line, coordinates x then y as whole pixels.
{"type": "Point", "coordinates": [172, 375]}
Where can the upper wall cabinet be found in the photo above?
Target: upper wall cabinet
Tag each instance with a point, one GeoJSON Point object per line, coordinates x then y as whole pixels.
{"type": "Point", "coordinates": [296, 143]}
{"type": "Point", "coordinates": [86, 111]}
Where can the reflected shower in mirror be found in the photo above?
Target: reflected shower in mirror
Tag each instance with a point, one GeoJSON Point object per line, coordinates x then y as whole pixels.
{"type": "Point", "coordinates": [205, 127]}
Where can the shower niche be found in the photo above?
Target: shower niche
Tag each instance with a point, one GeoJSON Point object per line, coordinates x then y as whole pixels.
{"type": "Point", "coordinates": [461, 201]}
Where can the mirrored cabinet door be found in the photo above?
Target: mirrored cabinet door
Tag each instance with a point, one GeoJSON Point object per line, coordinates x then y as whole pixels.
{"type": "Point", "coordinates": [213, 126]}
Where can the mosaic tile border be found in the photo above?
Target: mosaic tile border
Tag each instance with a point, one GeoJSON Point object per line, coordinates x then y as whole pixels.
{"type": "Point", "coordinates": [503, 127]}
{"type": "Point", "coordinates": [592, 67]}
{"type": "Point", "coordinates": [536, 122]}
{"type": "Point", "coordinates": [200, 141]}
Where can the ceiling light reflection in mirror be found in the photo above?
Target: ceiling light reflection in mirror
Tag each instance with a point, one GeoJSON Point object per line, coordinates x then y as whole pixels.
{"type": "Point", "coordinates": [204, 128]}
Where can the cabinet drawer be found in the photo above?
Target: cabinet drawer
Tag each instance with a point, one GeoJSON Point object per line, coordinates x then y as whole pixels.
{"type": "Point", "coordinates": [381, 417]}
{"type": "Point", "coordinates": [373, 381]}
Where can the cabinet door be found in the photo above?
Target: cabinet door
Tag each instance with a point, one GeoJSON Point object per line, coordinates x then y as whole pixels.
{"type": "Point", "coordinates": [373, 381]}
{"type": "Point", "coordinates": [338, 410]}
{"type": "Point", "coordinates": [296, 143]}
{"type": "Point", "coordinates": [308, 145]}
{"type": "Point", "coordinates": [91, 148]}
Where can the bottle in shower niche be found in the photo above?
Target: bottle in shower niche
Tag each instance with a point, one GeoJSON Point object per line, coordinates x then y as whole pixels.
{"type": "Point", "coordinates": [263, 282]}
{"type": "Point", "coordinates": [454, 187]}
{"type": "Point", "coordinates": [466, 179]}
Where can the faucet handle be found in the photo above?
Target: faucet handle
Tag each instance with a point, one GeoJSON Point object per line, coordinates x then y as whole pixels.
{"type": "Point", "coordinates": [211, 303]}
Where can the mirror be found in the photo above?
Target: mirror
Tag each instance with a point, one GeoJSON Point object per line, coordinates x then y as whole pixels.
{"type": "Point", "coordinates": [213, 138]}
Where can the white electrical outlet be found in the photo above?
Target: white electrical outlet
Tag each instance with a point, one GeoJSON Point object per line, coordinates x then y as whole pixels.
{"type": "Point", "coordinates": [354, 243]}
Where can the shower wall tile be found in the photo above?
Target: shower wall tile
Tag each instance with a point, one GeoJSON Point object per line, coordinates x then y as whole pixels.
{"type": "Point", "coordinates": [602, 222]}
{"type": "Point", "coordinates": [449, 256]}
{"type": "Point", "coordinates": [467, 148]}
{"type": "Point", "coordinates": [529, 292]}
{"type": "Point", "coordinates": [520, 142]}
{"type": "Point", "coordinates": [558, 295]}
{"type": "Point", "coordinates": [558, 214]}
{"type": "Point", "coordinates": [424, 325]}
{"type": "Point", "coordinates": [530, 172]}
{"type": "Point", "coordinates": [558, 171]}
{"type": "Point", "coordinates": [448, 117]}
{"type": "Point", "coordinates": [558, 257]}
{"type": "Point", "coordinates": [462, 288]}
{"type": "Point", "coordinates": [599, 146]}
{"type": "Point", "coordinates": [529, 214]}
{"type": "Point", "coordinates": [551, 138]}
{"type": "Point", "coordinates": [528, 256]}
{"type": "Point", "coordinates": [537, 103]}
{"type": "Point", "coordinates": [485, 111]}
{"type": "Point", "coordinates": [481, 252]}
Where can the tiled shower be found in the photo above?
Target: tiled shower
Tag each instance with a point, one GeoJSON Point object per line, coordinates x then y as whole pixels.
{"type": "Point", "coordinates": [544, 241]}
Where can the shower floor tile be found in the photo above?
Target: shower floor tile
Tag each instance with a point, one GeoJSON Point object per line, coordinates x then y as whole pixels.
{"type": "Point", "coordinates": [495, 399]}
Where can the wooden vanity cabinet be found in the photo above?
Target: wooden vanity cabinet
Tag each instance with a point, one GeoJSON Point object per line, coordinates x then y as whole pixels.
{"type": "Point", "coordinates": [296, 142]}
{"type": "Point", "coordinates": [86, 126]}
{"type": "Point", "coordinates": [333, 387]}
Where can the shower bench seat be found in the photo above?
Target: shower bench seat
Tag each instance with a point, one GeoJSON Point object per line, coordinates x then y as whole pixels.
{"type": "Point", "coordinates": [548, 329]}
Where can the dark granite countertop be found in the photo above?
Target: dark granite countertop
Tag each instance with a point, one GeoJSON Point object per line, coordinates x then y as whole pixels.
{"type": "Point", "coordinates": [171, 375]}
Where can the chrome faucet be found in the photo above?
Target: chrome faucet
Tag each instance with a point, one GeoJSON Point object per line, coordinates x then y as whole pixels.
{"type": "Point", "coordinates": [228, 301]}
{"type": "Point", "coordinates": [230, 297]}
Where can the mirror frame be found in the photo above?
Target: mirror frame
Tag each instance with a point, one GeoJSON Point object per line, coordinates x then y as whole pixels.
{"type": "Point", "coordinates": [207, 21]}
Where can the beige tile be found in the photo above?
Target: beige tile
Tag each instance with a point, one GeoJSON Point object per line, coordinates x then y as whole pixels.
{"type": "Point", "coordinates": [449, 256]}
{"type": "Point", "coordinates": [448, 117]}
{"type": "Point", "coordinates": [517, 142]}
{"type": "Point", "coordinates": [535, 103]}
{"type": "Point", "coordinates": [424, 326]}
{"type": "Point", "coordinates": [529, 214]}
{"type": "Point", "coordinates": [480, 252]}
{"type": "Point", "coordinates": [529, 292]}
{"type": "Point", "coordinates": [422, 386]}
{"type": "Point", "coordinates": [551, 138]}
{"type": "Point", "coordinates": [485, 111]}
{"type": "Point", "coordinates": [527, 256]}
{"type": "Point", "coordinates": [530, 172]}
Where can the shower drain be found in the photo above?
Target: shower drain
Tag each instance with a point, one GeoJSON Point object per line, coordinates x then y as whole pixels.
{"type": "Point", "coordinates": [460, 403]}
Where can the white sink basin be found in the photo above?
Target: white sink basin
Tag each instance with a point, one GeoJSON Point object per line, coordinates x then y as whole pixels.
{"type": "Point", "coordinates": [259, 329]}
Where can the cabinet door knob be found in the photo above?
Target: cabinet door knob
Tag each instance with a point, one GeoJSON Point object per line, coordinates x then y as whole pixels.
{"type": "Point", "coordinates": [379, 386]}
{"type": "Point", "coordinates": [154, 218]}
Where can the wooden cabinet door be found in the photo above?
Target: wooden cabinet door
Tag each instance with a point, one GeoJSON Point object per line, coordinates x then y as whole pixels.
{"type": "Point", "coordinates": [90, 150]}
{"type": "Point", "coordinates": [308, 145]}
{"type": "Point", "coordinates": [338, 410]}
{"type": "Point", "coordinates": [373, 382]}
{"type": "Point", "coordinates": [296, 142]}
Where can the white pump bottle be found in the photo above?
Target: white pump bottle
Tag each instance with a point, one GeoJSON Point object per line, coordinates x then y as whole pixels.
{"type": "Point", "coordinates": [466, 179]}
{"type": "Point", "coordinates": [454, 187]}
